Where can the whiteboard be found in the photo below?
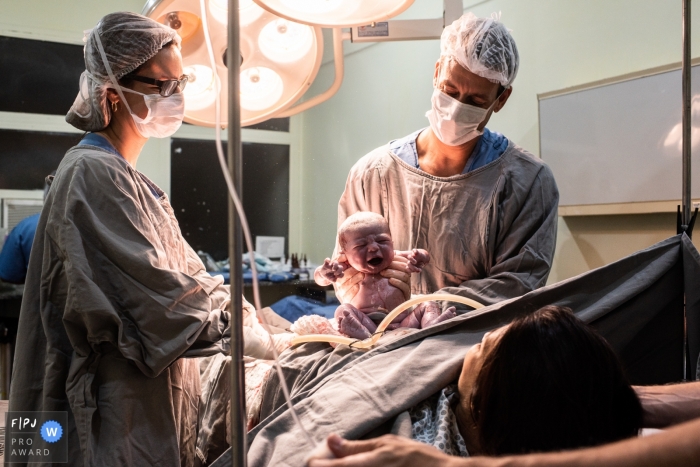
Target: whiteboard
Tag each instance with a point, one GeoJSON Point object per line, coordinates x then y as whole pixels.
{"type": "Point", "coordinates": [620, 142]}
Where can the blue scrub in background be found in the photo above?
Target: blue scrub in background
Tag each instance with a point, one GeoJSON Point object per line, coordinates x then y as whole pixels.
{"type": "Point", "coordinates": [14, 258]}
{"type": "Point", "coordinates": [294, 307]}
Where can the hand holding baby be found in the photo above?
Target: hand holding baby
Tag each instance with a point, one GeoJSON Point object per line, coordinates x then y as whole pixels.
{"type": "Point", "coordinates": [417, 258]}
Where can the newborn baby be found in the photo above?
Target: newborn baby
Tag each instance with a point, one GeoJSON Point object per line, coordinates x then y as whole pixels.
{"type": "Point", "coordinates": [365, 241]}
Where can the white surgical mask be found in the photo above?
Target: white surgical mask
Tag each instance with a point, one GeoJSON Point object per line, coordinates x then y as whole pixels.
{"type": "Point", "coordinates": [164, 116]}
{"type": "Point", "coordinates": [453, 122]}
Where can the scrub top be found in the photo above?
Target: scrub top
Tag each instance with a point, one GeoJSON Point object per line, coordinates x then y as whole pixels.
{"type": "Point", "coordinates": [491, 146]}
{"type": "Point", "coordinates": [491, 231]}
{"type": "Point", "coordinates": [116, 306]}
{"type": "Point", "coordinates": [14, 257]}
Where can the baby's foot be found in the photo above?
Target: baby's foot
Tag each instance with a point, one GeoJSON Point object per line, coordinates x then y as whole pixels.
{"type": "Point", "coordinates": [432, 316]}
{"type": "Point", "coordinates": [353, 323]}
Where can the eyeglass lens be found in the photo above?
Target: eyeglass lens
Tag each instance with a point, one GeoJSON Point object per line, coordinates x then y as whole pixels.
{"type": "Point", "coordinates": [170, 86]}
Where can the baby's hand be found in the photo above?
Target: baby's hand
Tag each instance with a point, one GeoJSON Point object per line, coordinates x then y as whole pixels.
{"type": "Point", "coordinates": [332, 270]}
{"type": "Point", "coordinates": [417, 258]}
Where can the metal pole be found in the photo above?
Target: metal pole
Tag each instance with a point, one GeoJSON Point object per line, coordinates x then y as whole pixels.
{"type": "Point", "coordinates": [687, 201]}
{"type": "Point", "coordinates": [235, 243]}
{"type": "Point", "coordinates": [686, 155]}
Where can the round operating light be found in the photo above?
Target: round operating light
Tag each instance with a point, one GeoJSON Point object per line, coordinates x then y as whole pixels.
{"type": "Point", "coordinates": [248, 11]}
{"type": "Point", "coordinates": [277, 66]}
{"type": "Point", "coordinates": [261, 88]}
{"type": "Point", "coordinates": [200, 91]}
{"type": "Point", "coordinates": [284, 41]}
{"type": "Point", "coordinates": [336, 13]}
{"type": "Point", "coordinates": [312, 6]}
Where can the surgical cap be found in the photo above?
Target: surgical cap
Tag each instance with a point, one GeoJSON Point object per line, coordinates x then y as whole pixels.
{"type": "Point", "coordinates": [128, 40]}
{"type": "Point", "coordinates": [483, 46]}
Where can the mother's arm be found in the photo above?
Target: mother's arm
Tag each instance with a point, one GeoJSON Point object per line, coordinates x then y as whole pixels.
{"type": "Point", "coordinates": [677, 447]}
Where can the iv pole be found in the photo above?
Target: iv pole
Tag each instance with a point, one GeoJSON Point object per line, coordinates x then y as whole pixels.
{"type": "Point", "coordinates": [235, 243]}
{"type": "Point", "coordinates": [685, 221]}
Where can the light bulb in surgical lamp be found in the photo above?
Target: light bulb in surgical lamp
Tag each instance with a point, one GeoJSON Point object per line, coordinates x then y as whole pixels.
{"type": "Point", "coordinates": [283, 41]}
{"type": "Point", "coordinates": [312, 6]}
{"type": "Point", "coordinates": [200, 91]}
{"type": "Point", "coordinates": [261, 88]}
{"type": "Point", "coordinates": [247, 11]}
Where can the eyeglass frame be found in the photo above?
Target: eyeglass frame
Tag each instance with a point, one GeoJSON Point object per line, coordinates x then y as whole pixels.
{"type": "Point", "coordinates": [181, 83]}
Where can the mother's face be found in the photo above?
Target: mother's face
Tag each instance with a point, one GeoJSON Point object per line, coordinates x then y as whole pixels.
{"type": "Point", "coordinates": [473, 362]}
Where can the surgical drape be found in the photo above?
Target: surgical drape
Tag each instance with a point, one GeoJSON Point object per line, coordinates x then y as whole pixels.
{"type": "Point", "coordinates": [114, 299]}
{"type": "Point", "coordinates": [636, 304]}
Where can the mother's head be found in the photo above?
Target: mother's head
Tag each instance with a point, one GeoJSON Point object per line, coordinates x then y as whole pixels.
{"type": "Point", "coordinates": [546, 382]}
{"type": "Point", "coordinates": [129, 57]}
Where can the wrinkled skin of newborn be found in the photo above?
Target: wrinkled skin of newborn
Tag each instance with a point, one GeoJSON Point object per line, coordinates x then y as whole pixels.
{"type": "Point", "coordinates": [369, 249]}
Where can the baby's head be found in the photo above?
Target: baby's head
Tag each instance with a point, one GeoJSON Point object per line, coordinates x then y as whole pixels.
{"type": "Point", "coordinates": [365, 240]}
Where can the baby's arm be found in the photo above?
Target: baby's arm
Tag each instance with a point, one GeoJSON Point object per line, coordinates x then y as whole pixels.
{"type": "Point", "coordinates": [329, 272]}
{"type": "Point", "coordinates": [417, 258]}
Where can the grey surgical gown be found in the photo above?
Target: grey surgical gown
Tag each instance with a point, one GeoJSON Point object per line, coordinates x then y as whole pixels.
{"type": "Point", "coordinates": [490, 232]}
{"type": "Point", "coordinates": [114, 299]}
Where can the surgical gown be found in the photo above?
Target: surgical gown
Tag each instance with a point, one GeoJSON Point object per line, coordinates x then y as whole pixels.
{"type": "Point", "coordinates": [114, 299]}
{"type": "Point", "coordinates": [490, 232]}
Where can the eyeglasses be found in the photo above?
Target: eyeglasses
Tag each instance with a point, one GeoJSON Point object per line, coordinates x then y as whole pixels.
{"type": "Point", "coordinates": [166, 87]}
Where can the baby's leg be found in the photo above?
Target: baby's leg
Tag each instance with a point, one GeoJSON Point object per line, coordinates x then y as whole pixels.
{"type": "Point", "coordinates": [352, 322]}
{"type": "Point", "coordinates": [427, 314]}
{"type": "Point", "coordinates": [432, 315]}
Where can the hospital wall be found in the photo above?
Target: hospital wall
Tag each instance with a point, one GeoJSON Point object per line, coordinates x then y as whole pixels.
{"type": "Point", "coordinates": [60, 21]}
{"type": "Point", "coordinates": [387, 87]}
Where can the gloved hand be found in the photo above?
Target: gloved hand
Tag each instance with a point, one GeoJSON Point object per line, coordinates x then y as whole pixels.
{"type": "Point", "coordinates": [257, 342]}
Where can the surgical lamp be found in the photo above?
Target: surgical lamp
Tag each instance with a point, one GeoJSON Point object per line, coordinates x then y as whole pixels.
{"type": "Point", "coordinates": [281, 48]}
{"type": "Point", "coordinates": [279, 58]}
{"type": "Point", "coordinates": [336, 13]}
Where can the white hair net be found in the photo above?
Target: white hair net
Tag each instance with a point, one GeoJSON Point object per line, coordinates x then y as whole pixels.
{"type": "Point", "coordinates": [127, 40]}
{"type": "Point", "coordinates": [483, 46]}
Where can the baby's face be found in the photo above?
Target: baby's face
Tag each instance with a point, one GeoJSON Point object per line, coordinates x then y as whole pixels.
{"type": "Point", "coordinates": [368, 248]}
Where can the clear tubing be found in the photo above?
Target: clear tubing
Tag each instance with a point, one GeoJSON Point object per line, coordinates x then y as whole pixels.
{"type": "Point", "coordinates": [244, 225]}
{"type": "Point", "coordinates": [367, 343]}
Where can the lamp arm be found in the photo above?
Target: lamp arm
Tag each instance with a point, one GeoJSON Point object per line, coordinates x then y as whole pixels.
{"type": "Point", "coordinates": [338, 37]}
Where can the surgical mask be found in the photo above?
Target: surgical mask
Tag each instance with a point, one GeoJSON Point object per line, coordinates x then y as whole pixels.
{"type": "Point", "coordinates": [164, 116]}
{"type": "Point", "coordinates": [453, 122]}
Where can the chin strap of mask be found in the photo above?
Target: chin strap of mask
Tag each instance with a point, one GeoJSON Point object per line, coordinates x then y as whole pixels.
{"type": "Point", "coordinates": [680, 227]}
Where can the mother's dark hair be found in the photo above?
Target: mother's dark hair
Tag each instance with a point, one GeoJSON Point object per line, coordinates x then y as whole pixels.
{"type": "Point", "coordinates": [552, 383]}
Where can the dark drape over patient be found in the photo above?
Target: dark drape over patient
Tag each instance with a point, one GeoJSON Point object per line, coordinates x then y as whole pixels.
{"type": "Point", "coordinates": [114, 299]}
{"type": "Point", "coordinates": [635, 303]}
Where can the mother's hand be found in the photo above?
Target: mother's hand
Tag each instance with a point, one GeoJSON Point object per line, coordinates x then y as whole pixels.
{"type": "Point", "coordinates": [385, 451]}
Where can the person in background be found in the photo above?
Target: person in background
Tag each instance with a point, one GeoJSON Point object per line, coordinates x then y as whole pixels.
{"type": "Point", "coordinates": [14, 257]}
